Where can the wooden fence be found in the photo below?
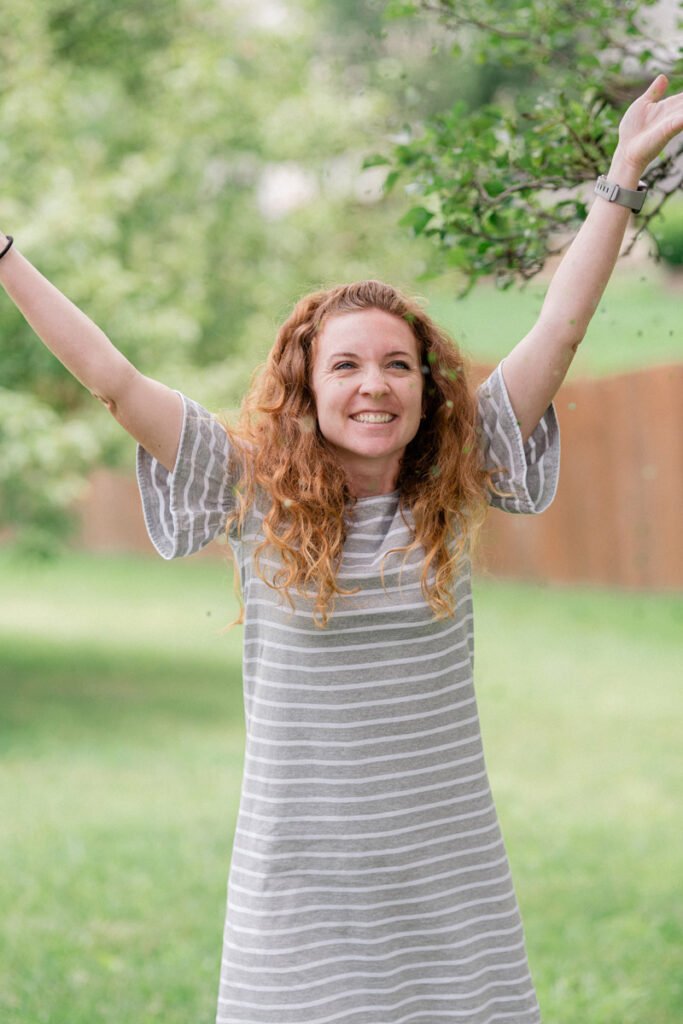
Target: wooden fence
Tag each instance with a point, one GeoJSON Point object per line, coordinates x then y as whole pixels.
{"type": "Point", "coordinates": [616, 519]}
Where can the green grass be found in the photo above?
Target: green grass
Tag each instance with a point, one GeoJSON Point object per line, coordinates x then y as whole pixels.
{"type": "Point", "coordinates": [637, 324]}
{"type": "Point", "coordinates": [122, 743]}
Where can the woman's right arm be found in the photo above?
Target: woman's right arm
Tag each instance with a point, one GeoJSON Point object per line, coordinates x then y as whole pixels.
{"type": "Point", "coordinates": [148, 410]}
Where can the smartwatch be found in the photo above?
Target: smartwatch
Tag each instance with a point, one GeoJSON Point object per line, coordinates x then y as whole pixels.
{"type": "Point", "coordinates": [613, 193]}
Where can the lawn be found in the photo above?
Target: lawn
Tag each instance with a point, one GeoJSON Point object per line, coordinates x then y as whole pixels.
{"type": "Point", "coordinates": [122, 744]}
{"type": "Point", "coordinates": [637, 324]}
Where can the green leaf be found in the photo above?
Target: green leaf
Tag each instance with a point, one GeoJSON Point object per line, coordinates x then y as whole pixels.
{"type": "Point", "coordinates": [376, 160]}
{"type": "Point", "coordinates": [390, 180]}
{"type": "Point", "coordinates": [416, 219]}
{"type": "Point", "coordinates": [400, 9]}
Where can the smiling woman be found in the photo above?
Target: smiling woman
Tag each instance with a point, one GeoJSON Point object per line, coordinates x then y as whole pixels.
{"type": "Point", "coordinates": [369, 878]}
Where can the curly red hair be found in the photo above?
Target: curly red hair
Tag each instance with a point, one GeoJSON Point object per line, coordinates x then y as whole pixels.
{"type": "Point", "coordinates": [441, 480]}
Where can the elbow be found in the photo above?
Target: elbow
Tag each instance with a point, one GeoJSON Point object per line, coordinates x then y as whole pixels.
{"type": "Point", "coordinates": [108, 403]}
{"type": "Point", "coordinates": [117, 386]}
{"type": "Point", "coordinates": [567, 342]}
{"type": "Point", "coordinates": [564, 335]}
{"type": "Point", "coordinates": [572, 334]}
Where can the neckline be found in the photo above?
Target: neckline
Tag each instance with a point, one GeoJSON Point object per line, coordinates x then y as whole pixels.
{"type": "Point", "coordinates": [377, 497]}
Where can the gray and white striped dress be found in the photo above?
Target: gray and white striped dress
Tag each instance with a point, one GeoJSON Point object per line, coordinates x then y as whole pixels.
{"type": "Point", "coordinates": [369, 883]}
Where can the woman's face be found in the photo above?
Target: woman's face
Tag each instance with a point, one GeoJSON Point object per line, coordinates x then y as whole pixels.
{"type": "Point", "coordinates": [367, 381]}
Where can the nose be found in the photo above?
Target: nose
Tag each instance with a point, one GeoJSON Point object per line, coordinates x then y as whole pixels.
{"type": "Point", "coordinates": [373, 383]}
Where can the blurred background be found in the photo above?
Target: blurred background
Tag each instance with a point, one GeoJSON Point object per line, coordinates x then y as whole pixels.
{"type": "Point", "coordinates": [184, 170]}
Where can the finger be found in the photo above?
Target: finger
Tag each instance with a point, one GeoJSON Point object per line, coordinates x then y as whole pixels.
{"type": "Point", "coordinates": [657, 89]}
{"type": "Point", "coordinates": [671, 107]}
{"type": "Point", "coordinates": [666, 129]}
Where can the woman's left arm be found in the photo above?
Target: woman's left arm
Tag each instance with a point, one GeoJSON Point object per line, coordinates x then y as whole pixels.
{"type": "Point", "coordinates": [535, 368]}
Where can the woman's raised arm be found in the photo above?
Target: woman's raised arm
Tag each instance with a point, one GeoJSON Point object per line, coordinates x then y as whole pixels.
{"type": "Point", "coordinates": [148, 410]}
{"type": "Point", "coordinates": [536, 366]}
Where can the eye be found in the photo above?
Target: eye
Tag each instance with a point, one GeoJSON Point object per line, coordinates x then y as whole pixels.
{"type": "Point", "coordinates": [342, 366]}
{"type": "Point", "coordinates": [400, 362]}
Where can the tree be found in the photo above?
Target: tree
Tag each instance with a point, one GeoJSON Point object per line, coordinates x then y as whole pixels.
{"type": "Point", "coordinates": [503, 185]}
{"type": "Point", "coordinates": [136, 141]}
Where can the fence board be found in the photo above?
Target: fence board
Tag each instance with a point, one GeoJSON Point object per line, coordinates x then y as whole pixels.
{"type": "Point", "coordinates": [616, 518]}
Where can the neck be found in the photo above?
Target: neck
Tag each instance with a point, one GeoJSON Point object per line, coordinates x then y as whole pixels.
{"type": "Point", "coordinates": [368, 483]}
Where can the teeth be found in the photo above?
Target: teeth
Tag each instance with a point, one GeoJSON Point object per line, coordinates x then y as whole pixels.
{"type": "Point", "coordinates": [373, 417]}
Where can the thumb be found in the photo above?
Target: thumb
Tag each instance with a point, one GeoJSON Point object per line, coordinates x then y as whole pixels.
{"type": "Point", "coordinates": [657, 89]}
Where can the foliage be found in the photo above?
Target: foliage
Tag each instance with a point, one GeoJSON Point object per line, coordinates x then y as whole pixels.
{"type": "Point", "coordinates": [140, 142]}
{"type": "Point", "coordinates": [501, 186]}
{"type": "Point", "coordinates": [40, 453]}
{"type": "Point", "coordinates": [136, 144]}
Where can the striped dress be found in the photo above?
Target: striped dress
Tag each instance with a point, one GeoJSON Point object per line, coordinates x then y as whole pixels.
{"type": "Point", "coordinates": [369, 882]}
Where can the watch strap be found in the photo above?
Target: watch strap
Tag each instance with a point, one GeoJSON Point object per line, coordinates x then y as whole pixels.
{"type": "Point", "coordinates": [613, 193]}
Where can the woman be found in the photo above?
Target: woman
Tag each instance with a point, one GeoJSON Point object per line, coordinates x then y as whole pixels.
{"type": "Point", "coordinates": [369, 881]}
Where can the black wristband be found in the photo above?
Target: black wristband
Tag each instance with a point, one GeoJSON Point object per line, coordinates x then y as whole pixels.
{"type": "Point", "coordinates": [7, 247]}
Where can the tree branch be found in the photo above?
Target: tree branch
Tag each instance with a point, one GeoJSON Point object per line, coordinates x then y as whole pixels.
{"type": "Point", "coordinates": [459, 20]}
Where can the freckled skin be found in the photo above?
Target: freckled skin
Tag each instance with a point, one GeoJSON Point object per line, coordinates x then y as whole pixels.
{"type": "Point", "coordinates": [363, 362]}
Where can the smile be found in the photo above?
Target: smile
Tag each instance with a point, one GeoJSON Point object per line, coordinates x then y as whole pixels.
{"type": "Point", "coordinates": [373, 417]}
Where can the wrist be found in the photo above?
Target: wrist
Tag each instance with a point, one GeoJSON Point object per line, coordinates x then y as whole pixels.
{"type": "Point", "coordinates": [624, 171]}
{"type": "Point", "coordinates": [6, 243]}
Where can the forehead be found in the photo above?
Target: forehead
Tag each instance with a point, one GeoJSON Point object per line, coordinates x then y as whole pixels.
{"type": "Point", "coordinates": [367, 332]}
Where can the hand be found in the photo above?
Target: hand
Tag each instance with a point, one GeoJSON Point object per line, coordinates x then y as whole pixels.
{"type": "Point", "coordinates": [648, 125]}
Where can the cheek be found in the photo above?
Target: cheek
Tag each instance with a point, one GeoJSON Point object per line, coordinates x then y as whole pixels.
{"type": "Point", "coordinates": [334, 393]}
{"type": "Point", "coordinates": [416, 395]}
{"type": "Point", "coordinates": [330, 398]}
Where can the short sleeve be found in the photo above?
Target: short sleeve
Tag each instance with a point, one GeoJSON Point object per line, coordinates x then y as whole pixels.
{"type": "Point", "coordinates": [530, 471]}
{"type": "Point", "coordinates": [186, 509]}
